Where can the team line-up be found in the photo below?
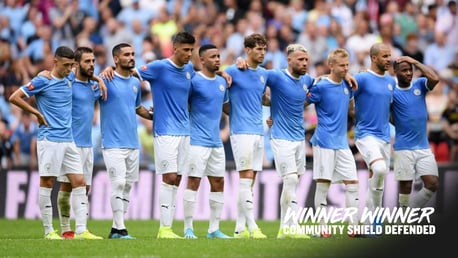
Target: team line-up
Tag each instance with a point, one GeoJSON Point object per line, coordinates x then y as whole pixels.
{"type": "Point", "coordinates": [189, 100]}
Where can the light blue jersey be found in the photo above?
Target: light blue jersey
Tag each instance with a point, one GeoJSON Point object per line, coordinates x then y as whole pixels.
{"type": "Point", "coordinates": [118, 117]}
{"type": "Point", "coordinates": [245, 100]}
{"type": "Point", "coordinates": [331, 101]}
{"type": "Point", "coordinates": [85, 94]}
{"type": "Point", "coordinates": [206, 101]}
{"type": "Point", "coordinates": [372, 105]}
{"type": "Point", "coordinates": [410, 116]}
{"type": "Point", "coordinates": [170, 86]}
{"type": "Point", "coordinates": [287, 104]}
{"type": "Point", "coordinates": [54, 101]}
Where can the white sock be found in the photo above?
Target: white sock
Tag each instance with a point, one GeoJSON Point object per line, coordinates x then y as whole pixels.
{"type": "Point", "coordinates": [216, 200]}
{"type": "Point", "coordinates": [45, 204]}
{"type": "Point", "coordinates": [404, 200]}
{"type": "Point", "coordinates": [420, 199]}
{"type": "Point", "coordinates": [352, 200]}
{"type": "Point", "coordinates": [376, 191]}
{"type": "Point", "coordinates": [79, 205]}
{"type": "Point", "coordinates": [174, 202]}
{"type": "Point", "coordinates": [189, 205]}
{"type": "Point", "coordinates": [117, 203]}
{"type": "Point", "coordinates": [244, 195]}
{"type": "Point", "coordinates": [321, 192]}
{"type": "Point", "coordinates": [63, 207]}
{"type": "Point", "coordinates": [165, 204]}
{"type": "Point", "coordinates": [288, 198]}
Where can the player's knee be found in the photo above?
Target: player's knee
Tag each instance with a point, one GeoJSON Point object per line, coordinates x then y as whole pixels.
{"type": "Point", "coordinates": [432, 184]}
{"type": "Point", "coordinates": [117, 186]}
{"type": "Point", "coordinates": [379, 168]}
{"type": "Point", "coordinates": [127, 187]}
{"type": "Point", "coordinates": [290, 179]}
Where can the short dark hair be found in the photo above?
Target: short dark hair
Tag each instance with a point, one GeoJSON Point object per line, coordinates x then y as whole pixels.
{"type": "Point", "coordinates": [82, 50]}
{"type": "Point", "coordinates": [206, 47]}
{"type": "Point", "coordinates": [183, 38]}
{"type": "Point", "coordinates": [253, 39]}
{"type": "Point", "coordinates": [117, 49]}
{"type": "Point", "coordinates": [65, 52]}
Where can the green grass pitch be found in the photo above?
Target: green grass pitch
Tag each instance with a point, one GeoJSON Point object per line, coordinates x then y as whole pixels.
{"type": "Point", "coordinates": [24, 238]}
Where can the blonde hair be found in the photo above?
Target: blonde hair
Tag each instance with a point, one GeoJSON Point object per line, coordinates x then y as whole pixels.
{"type": "Point", "coordinates": [291, 48]}
{"type": "Point", "coordinates": [336, 53]}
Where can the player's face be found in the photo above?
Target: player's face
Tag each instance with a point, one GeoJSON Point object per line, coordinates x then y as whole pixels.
{"type": "Point", "coordinates": [404, 73]}
{"type": "Point", "coordinates": [183, 53]}
{"type": "Point", "coordinates": [383, 59]}
{"type": "Point", "coordinates": [211, 60]}
{"type": "Point", "coordinates": [63, 66]}
{"type": "Point", "coordinates": [86, 65]}
{"type": "Point", "coordinates": [340, 67]}
{"type": "Point", "coordinates": [126, 58]}
{"type": "Point", "coordinates": [298, 61]}
{"type": "Point", "coordinates": [256, 54]}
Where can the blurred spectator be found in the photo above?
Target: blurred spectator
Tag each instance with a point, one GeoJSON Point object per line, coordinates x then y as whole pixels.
{"type": "Point", "coordinates": [450, 123]}
{"type": "Point", "coordinates": [24, 139]}
{"type": "Point", "coordinates": [314, 42]}
{"type": "Point", "coordinates": [448, 24]}
{"type": "Point", "coordinates": [411, 47]}
{"type": "Point", "coordinates": [436, 102]}
{"type": "Point", "coordinates": [133, 12]}
{"type": "Point", "coordinates": [66, 20]}
{"type": "Point", "coordinates": [16, 12]}
{"type": "Point", "coordinates": [6, 148]}
{"type": "Point", "coordinates": [275, 58]}
{"type": "Point", "coordinates": [361, 40]}
{"type": "Point", "coordinates": [439, 54]}
{"type": "Point", "coordinates": [164, 26]}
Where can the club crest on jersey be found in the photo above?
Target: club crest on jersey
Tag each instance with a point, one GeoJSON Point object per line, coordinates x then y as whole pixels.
{"type": "Point", "coordinates": [390, 87]}
{"type": "Point", "coordinates": [304, 87]}
{"type": "Point", "coordinates": [221, 87]}
{"type": "Point", "coordinates": [30, 86]}
{"type": "Point", "coordinates": [134, 88]}
{"type": "Point", "coordinates": [262, 79]}
{"type": "Point", "coordinates": [346, 91]}
{"type": "Point", "coordinates": [417, 92]}
{"type": "Point", "coordinates": [188, 75]}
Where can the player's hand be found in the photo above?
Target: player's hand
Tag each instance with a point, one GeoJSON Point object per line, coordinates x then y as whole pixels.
{"type": "Point", "coordinates": [45, 73]}
{"type": "Point", "coordinates": [107, 73]}
{"type": "Point", "coordinates": [227, 77]}
{"type": "Point", "coordinates": [269, 122]}
{"type": "Point", "coordinates": [351, 81]}
{"type": "Point", "coordinates": [241, 63]}
{"type": "Point", "coordinates": [407, 59]}
{"type": "Point", "coordinates": [103, 90]}
{"type": "Point", "coordinates": [41, 120]}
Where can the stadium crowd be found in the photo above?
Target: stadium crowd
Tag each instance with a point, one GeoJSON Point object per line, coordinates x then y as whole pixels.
{"type": "Point", "coordinates": [30, 31]}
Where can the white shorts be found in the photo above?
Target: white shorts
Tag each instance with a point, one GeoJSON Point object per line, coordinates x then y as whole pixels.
{"type": "Point", "coordinates": [289, 156]}
{"type": "Point", "coordinates": [248, 151]}
{"type": "Point", "coordinates": [122, 163]}
{"type": "Point", "coordinates": [205, 161]}
{"type": "Point", "coordinates": [58, 158]}
{"type": "Point", "coordinates": [372, 148]}
{"type": "Point", "coordinates": [87, 161]}
{"type": "Point", "coordinates": [333, 165]}
{"type": "Point", "coordinates": [412, 164]}
{"type": "Point", "coordinates": [170, 153]}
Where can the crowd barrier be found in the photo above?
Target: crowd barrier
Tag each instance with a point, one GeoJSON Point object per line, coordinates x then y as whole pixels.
{"type": "Point", "coordinates": [19, 194]}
